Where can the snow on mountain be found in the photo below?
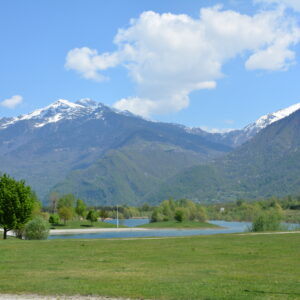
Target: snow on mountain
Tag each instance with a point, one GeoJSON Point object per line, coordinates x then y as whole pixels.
{"type": "Point", "coordinates": [60, 110]}
{"type": "Point", "coordinates": [268, 119]}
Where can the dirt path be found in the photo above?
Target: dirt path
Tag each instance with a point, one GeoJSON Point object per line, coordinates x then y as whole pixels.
{"type": "Point", "coordinates": [39, 297]}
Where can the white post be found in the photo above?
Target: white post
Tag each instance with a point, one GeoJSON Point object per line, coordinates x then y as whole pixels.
{"type": "Point", "coordinates": [117, 217]}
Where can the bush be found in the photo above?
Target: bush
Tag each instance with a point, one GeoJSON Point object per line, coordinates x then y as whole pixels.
{"type": "Point", "coordinates": [266, 221]}
{"type": "Point", "coordinates": [54, 219]}
{"type": "Point", "coordinates": [180, 214]}
{"type": "Point", "coordinates": [37, 229]}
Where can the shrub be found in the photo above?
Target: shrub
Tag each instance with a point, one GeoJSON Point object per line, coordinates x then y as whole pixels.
{"type": "Point", "coordinates": [267, 221]}
{"type": "Point", "coordinates": [54, 219]}
{"type": "Point", "coordinates": [37, 229]}
{"type": "Point", "coordinates": [180, 214]}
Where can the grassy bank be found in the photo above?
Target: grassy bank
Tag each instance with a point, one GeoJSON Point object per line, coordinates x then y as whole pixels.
{"type": "Point", "coordinates": [205, 267]}
{"type": "Point", "coordinates": [180, 225]}
{"type": "Point", "coordinates": [84, 224]}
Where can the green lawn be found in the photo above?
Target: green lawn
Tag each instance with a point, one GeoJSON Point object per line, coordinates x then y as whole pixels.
{"type": "Point", "coordinates": [204, 267]}
{"type": "Point", "coordinates": [178, 225]}
{"type": "Point", "coordinates": [84, 224]}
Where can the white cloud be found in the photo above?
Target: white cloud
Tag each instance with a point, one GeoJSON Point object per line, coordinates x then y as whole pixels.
{"type": "Point", "coordinates": [216, 130]}
{"type": "Point", "coordinates": [168, 56]}
{"type": "Point", "coordinates": [294, 4]}
{"type": "Point", "coordinates": [88, 62]}
{"type": "Point", "coordinates": [12, 102]}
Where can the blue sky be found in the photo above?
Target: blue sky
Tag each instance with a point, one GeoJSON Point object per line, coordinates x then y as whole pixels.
{"type": "Point", "coordinates": [171, 71]}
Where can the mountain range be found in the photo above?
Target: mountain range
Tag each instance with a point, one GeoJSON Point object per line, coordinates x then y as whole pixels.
{"type": "Point", "coordinates": [106, 156]}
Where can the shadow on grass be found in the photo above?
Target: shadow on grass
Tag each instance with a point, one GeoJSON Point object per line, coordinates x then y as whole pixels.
{"type": "Point", "coordinates": [86, 225]}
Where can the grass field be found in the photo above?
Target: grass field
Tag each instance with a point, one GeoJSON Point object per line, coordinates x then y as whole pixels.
{"type": "Point", "coordinates": [84, 224]}
{"type": "Point", "coordinates": [177, 225]}
{"type": "Point", "coordinates": [204, 267]}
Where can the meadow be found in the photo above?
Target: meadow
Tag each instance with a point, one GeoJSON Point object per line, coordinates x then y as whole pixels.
{"type": "Point", "coordinates": [229, 266]}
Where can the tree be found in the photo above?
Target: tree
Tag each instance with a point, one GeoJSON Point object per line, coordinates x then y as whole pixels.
{"type": "Point", "coordinates": [92, 216]}
{"type": "Point", "coordinates": [37, 229]}
{"type": "Point", "coordinates": [103, 214]}
{"type": "Point", "coordinates": [180, 214]}
{"type": "Point", "coordinates": [54, 219]}
{"type": "Point", "coordinates": [65, 213]}
{"type": "Point", "coordinates": [53, 199]}
{"type": "Point", "coordinates": [66, 201]}
{"type": "Point", "coordinates": [80, 208]}
{"type": "Point", "coordinates": [16, 204]}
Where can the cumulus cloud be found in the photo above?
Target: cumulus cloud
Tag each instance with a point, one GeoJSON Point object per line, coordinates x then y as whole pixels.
{"type": "Point", "coordinates": [168, 56]}
{"type": "Point", "coordinates": [88, 62]}
{"type": "Point", "coordinates": [12, 102]}
{"type": "Point", "coordinates": [294, 4]}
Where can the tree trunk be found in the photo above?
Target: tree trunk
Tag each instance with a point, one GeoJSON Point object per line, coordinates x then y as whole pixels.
{"type": "Point", "coordinates": [4, 233]}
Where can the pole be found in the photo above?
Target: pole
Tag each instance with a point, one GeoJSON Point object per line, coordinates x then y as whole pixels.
{"type": "Point", "coordinates": [117, 217]}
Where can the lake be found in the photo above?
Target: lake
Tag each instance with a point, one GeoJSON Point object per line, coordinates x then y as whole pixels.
{"type": "Point", "coordinates": [229, 227]}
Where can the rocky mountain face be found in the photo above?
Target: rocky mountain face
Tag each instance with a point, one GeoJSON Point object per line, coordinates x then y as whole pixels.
{"type": "Point", "coordinates": [97, 153]}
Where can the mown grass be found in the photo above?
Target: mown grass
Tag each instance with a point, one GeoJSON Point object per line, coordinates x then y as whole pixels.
{"type": "Point", "coordinates": [204, 267]}
{"type": "Point", "coordinates": [76, 224]}
{"type": "Point", "coordinates": [179, 225]}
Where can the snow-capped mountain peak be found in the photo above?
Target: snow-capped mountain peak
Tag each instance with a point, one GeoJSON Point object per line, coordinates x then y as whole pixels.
{"type": "Point", "coordinates": [58, 110]}
{"type": "Point", "coordinates": [268, 119]}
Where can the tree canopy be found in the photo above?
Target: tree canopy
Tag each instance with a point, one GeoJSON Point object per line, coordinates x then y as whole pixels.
{"type": "Point", "coordinates": [16, 203]}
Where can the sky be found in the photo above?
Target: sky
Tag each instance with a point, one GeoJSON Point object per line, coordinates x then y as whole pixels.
{"type": "Point", "coordinates": [215, 64]}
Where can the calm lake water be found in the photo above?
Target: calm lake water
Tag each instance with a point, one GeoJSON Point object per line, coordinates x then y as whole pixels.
{"type": "Point", "coordinates": [229, 227]}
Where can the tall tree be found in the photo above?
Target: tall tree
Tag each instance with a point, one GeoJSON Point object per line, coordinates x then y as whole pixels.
{"type": "Point", "coordinates": [16, 204]}
{"type": "Point", "coordinates": [80, 208]}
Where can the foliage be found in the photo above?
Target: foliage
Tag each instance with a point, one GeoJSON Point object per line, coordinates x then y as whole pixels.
{"type": "Point", "coordinates": [37, 229]}
{"type": "Point", "coordinates": [180, 214]}
{"type": "Point", "coordinates": [80, 208]}
{"type": "Point", "coordinates": [54, 219]}
{"type": "Point", "coordinates": [92, 216]}
{"type": "Point", "coordinates": [267, 221]}
{"type": "Point", "coordinates": [16, 204]}
{"type": "Point", "coordinates": [179, 210]}
{"type": "Point", "coordinates": [103, 214]}
{"type": "Point", "coordinates": [65, 213]}
{"type": "Point", "coordinates": [67, 200]}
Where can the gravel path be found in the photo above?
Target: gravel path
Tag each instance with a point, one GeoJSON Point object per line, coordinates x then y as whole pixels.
{"type": "Point", "coordinates": [94, 230]}
{"type": "Point", "coordinates": [39, 297]}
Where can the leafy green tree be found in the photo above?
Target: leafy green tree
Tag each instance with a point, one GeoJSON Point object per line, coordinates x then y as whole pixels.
{"type": "Point", "coordinates": [92, 216]}
{"type": "Point", "coordinates": [65, 213]}
{"type": "Point", "coordinates": [180, 214]}
{"type": "Point", "coordinates": [67, 200]}
{"type": "Point", "coordinates": [54, 219]}
{"type": "Point", "coordinates": [37, 229]}
{"type": "Point", "coordinates": [16, 204]}
{"type": "Point", "coordinates": [80, 208]}
{"type": "Point", "coordinates": [103, 214]}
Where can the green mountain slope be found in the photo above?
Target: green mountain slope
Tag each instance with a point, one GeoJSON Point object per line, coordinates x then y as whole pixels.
{"type": "Point", "coordinates": [125, 175]}
{"type": "Point", "coordinates": [267, 165]}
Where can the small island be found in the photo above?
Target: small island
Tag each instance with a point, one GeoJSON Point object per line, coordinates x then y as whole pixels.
{"type": "Point", "coordinates": [180, 225]}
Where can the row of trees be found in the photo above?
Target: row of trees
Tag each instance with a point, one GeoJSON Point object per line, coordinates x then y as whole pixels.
{"type": "Point", "coordinates": [180, 210]}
